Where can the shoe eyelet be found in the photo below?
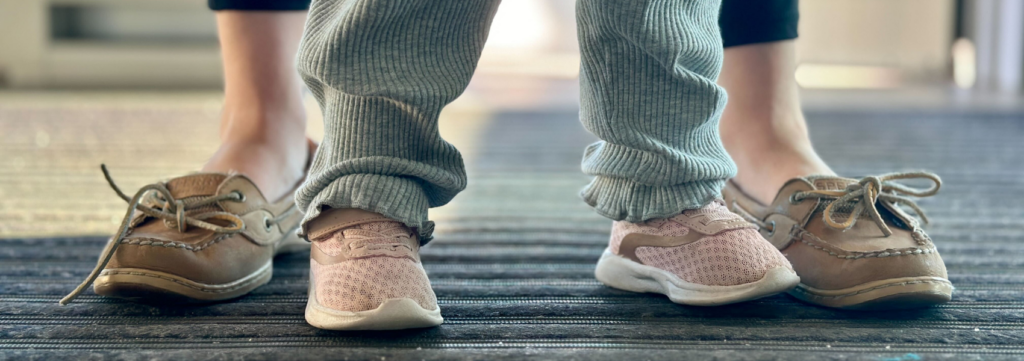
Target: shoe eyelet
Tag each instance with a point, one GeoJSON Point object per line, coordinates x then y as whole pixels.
{"type": "Point", "coordinates": [792, 198]}
{"type": "Point", "coordinates": [266, 224]}
{"type": "Point", "coordinates": [241, 196]}
{"type": "Point", "coordinates": [771, 225]}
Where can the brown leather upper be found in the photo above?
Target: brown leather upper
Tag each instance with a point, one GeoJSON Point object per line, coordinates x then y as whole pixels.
{"type": "Point", "coordinates": [206, 256]}
{"type": "Point", "coordinates": [828, 258]}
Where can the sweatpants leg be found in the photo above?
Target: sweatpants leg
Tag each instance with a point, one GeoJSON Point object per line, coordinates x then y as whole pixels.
{"type": "Point", "coordinates": [648, 92]}
{"type": "Point", "coordinates": [381, 71]}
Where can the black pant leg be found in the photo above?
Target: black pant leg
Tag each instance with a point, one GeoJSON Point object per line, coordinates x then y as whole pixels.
{"type": "Point", "coordinates": [259, 5]}
{"type": "Point", "coordinates": [758, 21]}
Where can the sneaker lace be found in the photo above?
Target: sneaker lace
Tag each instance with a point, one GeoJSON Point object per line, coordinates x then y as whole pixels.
{"type": "Point", "coordinates": [174, 213]}
{"type": "Point", "coordinates": [863, 196]}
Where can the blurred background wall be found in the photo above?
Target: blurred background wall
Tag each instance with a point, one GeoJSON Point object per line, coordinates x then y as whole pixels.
{"type": "Point", "coordinates": [160, 44]}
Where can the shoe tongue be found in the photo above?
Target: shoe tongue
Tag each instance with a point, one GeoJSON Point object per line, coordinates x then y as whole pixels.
{"type": "Point", "coordinates": [830, 183]}
{"type": "Point", "coordinates": [199, 184]}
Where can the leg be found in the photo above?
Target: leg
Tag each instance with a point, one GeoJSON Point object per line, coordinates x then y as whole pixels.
{"type": "Point", "coordinates": [262, 138]}
{"type": "Point", "coordinates": [783, 185]}
{"type": "Point", "coordinates": [263, 124]}
{"type": "Point", "coordinates": [762, 127]}
{"type": "Point", "coordinates": [648, 85]}
{"type": "Point", "coordinates": [381, 71]}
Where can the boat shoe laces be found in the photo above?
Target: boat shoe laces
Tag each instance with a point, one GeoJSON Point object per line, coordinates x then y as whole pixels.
{"type": "Point", "coordinates": [175, 215]}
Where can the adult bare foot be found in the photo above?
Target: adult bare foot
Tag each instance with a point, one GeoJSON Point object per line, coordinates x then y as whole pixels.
{"type": "Point", "coordinates": [263, 124]}
{"type": "Point", "coordinates": [763, 127]}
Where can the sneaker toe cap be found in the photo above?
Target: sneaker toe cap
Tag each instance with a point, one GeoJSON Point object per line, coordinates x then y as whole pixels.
{"type": "Point", "coordinates": [364, 284]}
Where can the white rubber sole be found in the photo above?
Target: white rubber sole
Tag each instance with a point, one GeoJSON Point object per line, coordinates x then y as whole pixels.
{"type": "Point", "coordinates": [625, 274]}
{"type": "Point", "coordinates": [393, 314]}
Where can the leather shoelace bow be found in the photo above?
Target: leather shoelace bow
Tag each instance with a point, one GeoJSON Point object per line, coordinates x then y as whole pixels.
{"type": "Point", "coordinates": [863, 196]}
{"type": "Point", "coordinates": [172, 211]}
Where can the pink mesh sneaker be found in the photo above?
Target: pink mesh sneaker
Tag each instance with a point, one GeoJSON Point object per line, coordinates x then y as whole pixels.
{"type": "Point", "coordinates": [365, 274]}
{"type": "Point", "coordinates": [702, 257]}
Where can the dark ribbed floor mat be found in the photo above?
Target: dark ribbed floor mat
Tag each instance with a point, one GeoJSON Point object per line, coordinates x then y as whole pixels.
{"type": "Point", "coordinates": [514, 255]}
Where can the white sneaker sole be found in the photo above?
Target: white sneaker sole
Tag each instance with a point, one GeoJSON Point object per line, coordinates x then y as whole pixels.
{"type": "Point", "coordinates": [625, 274]}
{"type": "Point", "coordinates": [393, 314]}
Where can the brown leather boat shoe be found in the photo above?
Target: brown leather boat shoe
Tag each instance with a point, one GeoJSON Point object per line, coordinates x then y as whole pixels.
{"type": "Point", "coordinates": [876, 256]}
{"type": "Point", "coordinates": [203, 237]}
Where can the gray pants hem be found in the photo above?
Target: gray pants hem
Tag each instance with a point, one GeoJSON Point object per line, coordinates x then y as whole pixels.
{"type": "Point", "coordinates": [623, 200]}
{"type": "Point", "coordinates": [398, 198]}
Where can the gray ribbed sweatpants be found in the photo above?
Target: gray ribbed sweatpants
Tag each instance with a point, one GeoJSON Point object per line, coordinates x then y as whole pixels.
{"type": "Point", "coordinates": [383, 69]}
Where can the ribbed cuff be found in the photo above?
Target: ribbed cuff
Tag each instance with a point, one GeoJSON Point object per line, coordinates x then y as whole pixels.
{"type": "Point", "coordinates": [382, 156]}
{"type": "Point", "coordinates": [664, 166]}
{"type": "Point", "coordinates": [621, 199]}
{"type": "Point", "coordinates": [398, 198]}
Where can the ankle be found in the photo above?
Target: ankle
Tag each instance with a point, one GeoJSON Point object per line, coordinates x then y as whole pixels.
{"type": "Point", "coordinates": [274, 163]}
{"type": "Point", "coordinates": [763, 172]}
{"type": "Point", "coordinates": [284, 125]}
{"type": "Point", "coordinates": [770, 148]}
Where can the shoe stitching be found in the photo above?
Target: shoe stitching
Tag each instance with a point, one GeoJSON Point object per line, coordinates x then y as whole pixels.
{"type": "Point", "coordinates": [174, 244]}
{"type": "Point", "coordinates": [797, 233]}
{"type": "Point", "coordinates": [803, 235]}
{"type": "Point", "coordinates": [907, 283]}
{"type": "Point", "coordinates": [921, 237]}
{"type": "Point", "coordinates": [207, 290]}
